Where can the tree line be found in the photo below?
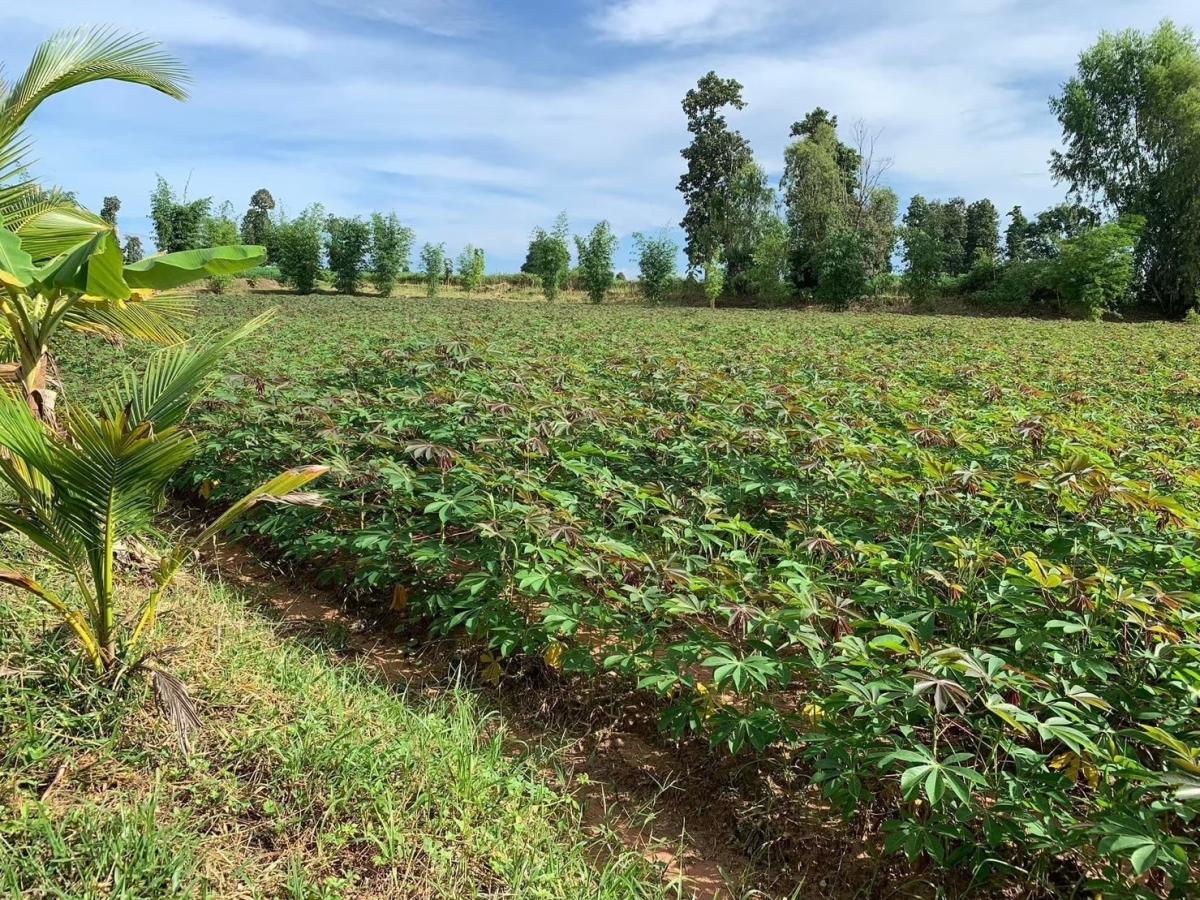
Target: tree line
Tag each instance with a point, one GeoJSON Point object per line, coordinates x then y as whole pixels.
{"type": "Point", "coordinates": [830, 231]}
{"type": "Point", "coordinates": [1128, 232]}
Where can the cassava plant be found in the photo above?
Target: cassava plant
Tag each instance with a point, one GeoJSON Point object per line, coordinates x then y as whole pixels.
{"type": "Point", "coordinates": [80, 493]}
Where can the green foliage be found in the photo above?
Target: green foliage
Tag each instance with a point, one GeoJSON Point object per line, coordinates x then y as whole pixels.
{"type": "Point", "coordinates": [109, 209]}
{"type": "Point", "coordinates": [391, 249]}
{"type": "Point", "coordinates": [830, 187]}
{"type": "Point", "coordinates": [923, 257]}
{"type": "Point", "coordinates": [717, 158]}
{"type": "Point", "coordinates": [472, 267]}
{"type": "Point", "coordinates": [179, 224]}
{"type": "Point", "coordinates": [257, 226]}
{"type": "Point", "coordinates": [656, 264]}
{"type": "Point", "coordinates": [433, 267]}
{"type": "Point", "coordinates": [1016, 236]}
{"type": "Point", "coordinates": [133, 251]}
{"type": "Point", "coordinates": [1094, 273]}
{"type": "Point", "coordinates": [843, 272]}
{"type": "Point", "coordinates": [298, 249]}
{"type": "Point", "coordinates": [68, 59]}
{"type": "Point", "coordinates": [983, 233]}
{"type": "Point", "coordinates": [219, 230]}
{"type": "Point", "coordinates": [950, 559]}
{"type": "Point", "coordinates": [1150, 168]}
{"type": "Point", "coordinates": [595, 253]}
{"type": "Point", "coordinates": [347, 241]}
{"type": "Point", "coordinates": [714, 281]}
{"type": "Point", "coordinates": [549, 257]}
{"type": "Point", "coordinates": [770, 261]}
{"type": "Point", "coordinates": [816, 196]}
{"type": "Point", "coordinates": [78, 493]}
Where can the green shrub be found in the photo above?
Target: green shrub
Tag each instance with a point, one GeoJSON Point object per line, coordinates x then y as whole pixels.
{"type": "Point", "coordinates": [656, 256]}
{"type": "Point", "coordinates": [549, 256]}
{"type": "Point", "coordinates": [391, 247]}
{"type": "Point", "coordinates": [595, 272]}
{"type": "Point", "coordinates": [179, 224]}
{"type": "Point", "coordinates": [472, 265]}
{"type": "Point", "coordinates": [842, 268]}
{"type": "Point", "coordinates": [298, 249]}
{"type": "Point", "coordinates": [1095, 272]}
{"type": "Point", "coordinates": [346, 244]}
{"type": "Point", "coordinates": [433, 267]}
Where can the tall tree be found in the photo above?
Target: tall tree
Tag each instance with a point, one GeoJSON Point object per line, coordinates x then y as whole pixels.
{"type": "Point", "coordinates": [595, 254]}
{"type": "Point", "coordinates": [549, 256]}
{"type": "Point", "coordinates": [823, 195]}
{"type": "Point", "coordinates": [257, 227]}
{"type": "Point", "coordinates": [983, 232]}
{"type": "Point", "coordinates": [1131, 127]}
{"type": "Point", "coordinates": [816, 197]}
{"type": "Point", "coordinates": [109, 209]}
{"type": "Point", "coordinates": [715, 157]}
{"type": "Point", "coordinates": [391, 248]}
{"type": "Point", "coordinates": [952, 230]}
{"type": "Point", "coordinates": [1016, 236]}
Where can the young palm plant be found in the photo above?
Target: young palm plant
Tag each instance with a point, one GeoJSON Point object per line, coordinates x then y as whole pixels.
{"type": "Point", "coordinates": [79, 493]}
{"type": "Point", "coordinates": [60, 265]}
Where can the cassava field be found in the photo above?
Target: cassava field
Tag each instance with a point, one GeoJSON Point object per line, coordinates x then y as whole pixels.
{"type": "Point", "coordinates": [945, 568]}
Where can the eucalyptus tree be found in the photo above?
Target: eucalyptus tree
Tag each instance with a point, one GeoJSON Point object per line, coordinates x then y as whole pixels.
{"type": "Point", "coordinates": [256, 223]}
{"type": "Point", "coordinates": [983, 232]}
{"type": "Point", "coordinates": [549, 257]}
{"type": "Point", "coordinates": [595, 253]}
{"type": "Point", "coordinates": [1130, 119]}
{"type": "Point", "coordinates": [715, 157]}
{"type": "Point", "coordinates": [656, 264]}
{"type": "Point", "coordinates": [391, 248]}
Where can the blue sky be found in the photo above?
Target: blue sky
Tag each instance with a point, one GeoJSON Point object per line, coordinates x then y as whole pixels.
{"type": "Point", "coordinates": [476, 121]}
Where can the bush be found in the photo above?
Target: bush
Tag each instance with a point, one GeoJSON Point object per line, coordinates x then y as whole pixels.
{"type": "Point", "coordinates": [1094, 273]}
{"type": "Point", "coordinates": [298, 245]}
{"type": "Point", "coordinates": [472, 265]}
{"type": "Point", "coordinates": [714, 281]}
{"type": "Point", "coordinates": [133, 251]}
{"type": "Point", "coordinates": [391, 247]}
{"type": "Point", "coordinates": [842, 274]}
{"type": "Point", "coordinates": [549, 257]}
{"type": "Point", "coordinates": [767, 275]}
{"type": "Point", "coordinates": [219, 230]}
{"type": "Point", "coordinates": [596, 252]}
{"type": "Point", "coordinates": [656, 264]}
{"type": "Point", "coordinates": [433, 267]}
{"type": "Point", "coordinates": [346, 246]}
{"type": "Point", "coordinates": [178, 224]}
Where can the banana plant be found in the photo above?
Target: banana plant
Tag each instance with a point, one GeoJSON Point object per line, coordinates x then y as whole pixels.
{"type": "Point", "coordinates": [89, 288]}
{"type": "Point", "coordinates": [79, 493]}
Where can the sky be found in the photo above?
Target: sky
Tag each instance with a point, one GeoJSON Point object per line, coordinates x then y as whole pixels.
{"type": "Point", "coordinates": [476, 121]}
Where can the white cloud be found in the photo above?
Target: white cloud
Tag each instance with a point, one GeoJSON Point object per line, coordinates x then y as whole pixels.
{"type": "Point", "coordinates": [686, 21]}
{"type": "Point", "coordinates": [179, 22]}
{"type": "Point", "coordinates": [479, 141]}
{"type": "Point", "coordinates": [447, 18]}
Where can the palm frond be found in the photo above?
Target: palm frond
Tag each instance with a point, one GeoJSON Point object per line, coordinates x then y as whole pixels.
{"type": "Point", "coordinates": [159, 318]}
{"type": "Point", "coordinates": [163, 393]}
{"type": "Point", "coordinates": [68, 59]}
{"type": "Point", "coordinates": [49, 227]}
{"type": "Point", "coordinates": [81, 55]}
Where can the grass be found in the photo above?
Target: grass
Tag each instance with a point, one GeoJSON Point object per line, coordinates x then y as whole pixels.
{"type": "Point", "coordinates": [311, 779]}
